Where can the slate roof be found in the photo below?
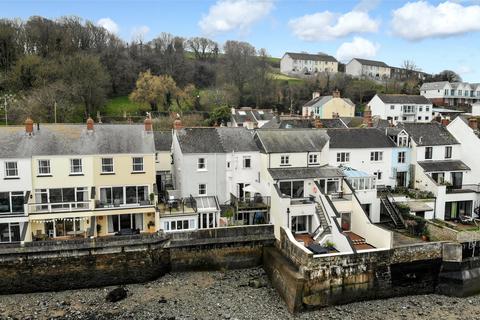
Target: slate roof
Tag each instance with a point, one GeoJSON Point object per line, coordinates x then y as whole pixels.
{"type": "Point", "coordinates": [305, 173]}
{"type": "Point", "coordinates": [443, 165]}
{"type": "Point", "coordinates": [291, 140]}
{"type": "Point", "coordinates": [71, 139]}
{"type": "Point", "coordinates": [308, 56]}
{"type": "Point", "coordinates": [215, 140]}
{"type": "Point", "coordinates": [434, 85]}
{"type": "Point", "coordinates": [163, 140]}
{"type": "Point", "coordinates": [403, 98]}
{"type": "Point", "coordinates": [352, 122]}
{"type": "Point", "coordinates": [428, 134]}
{"type": "Point", "coordinates": [275, 123]}
{"type": "Point", "coordinates": [372, 63]}
{"type": "Point", "coordinates": [358, 138]}
{"type": "Point", "coordinates": [254, 115]}
{"type": "Point", "coordinates": [324, 99]}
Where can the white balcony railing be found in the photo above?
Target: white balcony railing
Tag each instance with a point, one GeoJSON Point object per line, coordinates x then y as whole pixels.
{"type": "Point", "coordinates": [58, 207]}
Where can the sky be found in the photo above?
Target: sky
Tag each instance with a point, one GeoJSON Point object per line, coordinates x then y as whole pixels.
{"type": "Point", "coordinates": [435, 35]}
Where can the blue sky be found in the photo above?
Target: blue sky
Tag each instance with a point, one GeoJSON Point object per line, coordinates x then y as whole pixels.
{"type": "Point", "coordinates": [436, 35]}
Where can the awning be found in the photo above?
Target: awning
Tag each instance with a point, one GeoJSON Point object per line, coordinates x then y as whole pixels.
{"type": "Point", "coordinates": [443, 165]}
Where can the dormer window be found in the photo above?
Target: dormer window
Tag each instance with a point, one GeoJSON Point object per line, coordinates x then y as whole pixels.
{"type": "Point", "coordinates": [313, 159]}
{"type": "Point", "coordinates": [285, 160]}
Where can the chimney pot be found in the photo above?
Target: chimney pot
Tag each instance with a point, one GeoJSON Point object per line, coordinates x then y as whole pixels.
{"type": "Point", "coordinates": [367, 117]}
{"type": "Point", "coordinates": [148, 124]}
{"type": "Point", "coordinates": [90, 123]}
{"type": "Point", "coordinates": [29, 126]}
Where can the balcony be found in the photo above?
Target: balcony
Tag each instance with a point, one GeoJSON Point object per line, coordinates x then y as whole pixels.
{"type": "Point", "coordinates": [41, 208]}
{"type": "Point", "coordinates": [466, 188]}
{"type": "Point", "coordinates": [255, 203]}
{"type": "Point", "coordinates": [117, 204]}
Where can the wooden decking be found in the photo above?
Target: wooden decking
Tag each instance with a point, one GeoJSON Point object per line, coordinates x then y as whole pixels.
{"type": "Point", "coordinates": [359, 243]}
{"type": "Point", "coordinates": [305, 238]}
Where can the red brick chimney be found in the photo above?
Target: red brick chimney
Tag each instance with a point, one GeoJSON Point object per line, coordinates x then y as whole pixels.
{"type": "Point", "coordinates": [367, 117]}
{"type": "Point", "coordinates": [90, 124]}
{"type": "Point", "coordinates": [473, 123]}
{"type": "Point", "coordinates": [318, 123]}
{"type": "Point", "coordinates": [177, 124]}
{"type": "Point", "coordinates": [445, 122]}
{"type": "Point", "coordinates": [336, 94]}
{"type": "Point", "coordinates": [148, 124]}
{"type": "Point", "coordinates": [29, 126]}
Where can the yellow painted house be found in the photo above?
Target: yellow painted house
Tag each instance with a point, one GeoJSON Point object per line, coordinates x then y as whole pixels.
{"type": "Point", "coordinates": [328, 107]}
{"type": "Point", "coordinates": [92, 180]}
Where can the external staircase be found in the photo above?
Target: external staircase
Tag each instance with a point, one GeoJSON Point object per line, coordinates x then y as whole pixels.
{"type": "Point", "coordinates": [392, 211]}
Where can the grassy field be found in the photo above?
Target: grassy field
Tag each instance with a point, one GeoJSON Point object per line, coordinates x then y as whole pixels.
{"type": "Point", "coordinates": [281, 77]}
{"type": "Point", "coordinates": [117, 106]}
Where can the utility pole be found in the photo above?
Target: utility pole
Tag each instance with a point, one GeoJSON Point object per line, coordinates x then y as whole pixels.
{"type": "Point", "coordinates": [55, 111]}
{"type": "Point", "coordinates": [6, 116]}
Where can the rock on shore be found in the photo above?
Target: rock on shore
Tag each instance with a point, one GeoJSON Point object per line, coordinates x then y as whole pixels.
{"type": "Point", "coordinates": [237, 294]}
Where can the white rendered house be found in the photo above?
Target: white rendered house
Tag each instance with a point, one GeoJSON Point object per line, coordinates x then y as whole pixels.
{"type": "Point", "coordinates": [401, 108]}
{"type": "Point", "coordinates": [305, 63]}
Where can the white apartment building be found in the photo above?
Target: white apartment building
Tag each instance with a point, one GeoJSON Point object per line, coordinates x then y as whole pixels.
{"type": "Point", "coordinates": [307, 64]}
{"type": "Point", "coordinates": [446, 93]}
{"type": "Point", "coordinates": [401, 108]}
{"type": "Point", "coordinates": [363, 68]}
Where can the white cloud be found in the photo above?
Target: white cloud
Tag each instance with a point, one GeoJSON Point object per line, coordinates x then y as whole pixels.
{"type": "Point", "coordinates": [358, 48]}
{"type": "Point", "coordinates": [229, 15]}
{"type": "Point", "coordinates": [327, 25]}
{"type": "Point", "coordinates": [464, 70]}
{"type": "Point", "coordinates": [110, 25]}
{"type": "Point", "coordinates": [420, 20]}
{"type": "Point", "coordinates": [367, 5]}
{"type": "Point", "coordinates": [139, 33]}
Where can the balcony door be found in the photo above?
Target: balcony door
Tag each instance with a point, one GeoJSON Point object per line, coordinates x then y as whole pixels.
{"type": "Point", "coordinates": [457, 180]}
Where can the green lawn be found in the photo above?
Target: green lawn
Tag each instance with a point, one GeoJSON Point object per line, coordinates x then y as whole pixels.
{"type": "Point", "coordinates": [117, 106]}
{"type": "Point", "coordinates": [282, 77]}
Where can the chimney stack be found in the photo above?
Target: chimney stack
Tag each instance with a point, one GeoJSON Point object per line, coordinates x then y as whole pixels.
{"type": "Point", "coordinates": [473, 123]}
{"type": "Point", "coordinates": [315, 94]}
{"type": "Point", "coordinates": [445, 122]}
{"type": "Point", "coordinates": [29, 126]}
{"type": "Point", "coordinates": [367, 117]}
{"type": "Point", "coordinates": [90, 123]}
{"type": "Point", "coordinates": [318, 123]}
{"type": "Point", "coordinates": [177, 124]}
{"type": "Point", "coordinates": [148, 124]}
{"type": "Point", "coordinates": [336, 94]}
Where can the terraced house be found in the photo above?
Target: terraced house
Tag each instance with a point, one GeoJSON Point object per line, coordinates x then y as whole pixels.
{"type": "Point", "coordinates": [86, 180]}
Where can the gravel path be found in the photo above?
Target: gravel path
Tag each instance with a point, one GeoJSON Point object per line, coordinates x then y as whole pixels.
{"type": "Point", "coordinates": [239, 294]}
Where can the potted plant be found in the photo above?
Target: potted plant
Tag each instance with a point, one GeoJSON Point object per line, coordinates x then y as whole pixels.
{"type": "Point", "coordinates": [425, 234]}
{"type": "Point", "coordinates": [150, 225]}
{"type": "Point", "coordinates": [330, 245]}
{"type": "Point", "coordinates": [228, 214]}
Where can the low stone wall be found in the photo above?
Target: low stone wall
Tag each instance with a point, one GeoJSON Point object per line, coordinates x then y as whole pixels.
{"type": "Point", "coordinates": [51, 266]}
{"type": "Point", "coordinates": [441, 233]}
{"type": "Point", "coordinates": [61, 265]}
{"type": "Point", "coordinates": [221, 248]}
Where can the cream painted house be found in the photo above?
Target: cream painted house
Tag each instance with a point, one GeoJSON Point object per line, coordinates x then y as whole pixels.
{"type": "Point", "coordinates": [90, 180]}
{"type": "Point", "coordinates": [329, 107]}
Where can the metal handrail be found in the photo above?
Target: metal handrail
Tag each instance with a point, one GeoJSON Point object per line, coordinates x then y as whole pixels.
{"type": "Point", "coordinates": [62, 206]}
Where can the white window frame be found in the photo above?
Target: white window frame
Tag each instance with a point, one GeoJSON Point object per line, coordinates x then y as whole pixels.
{"type": "Point", "coordinates": [245, 158]}
{"type": "Point", "coordinates": [74, 167]}
{"type": "Point", "coordinates": [378, 175]}
{"type": "Point", "coordinates": [11, 172]}
{"type": "Point", "coordinates": [402, 155]}
{"type": "Point", "coordinates": [202, 164]}
{"type": "Point", "coordinates": [104, 166]}
{"type": "Point", "coordinates": [343, 157]}
{"type": "Point", "coordinates": [200, 192]}
{"type": "Point", "coordinates": [313, 158]}
{"type": "Point", "coordinates": [376, 156]}
{"type": "Point", "coordinates": [135, 164]}
{"type": "Point", "coordinates": [285, 160]}
{"type": "Point", "coordinates": [48, 170]}
{"type": "Point", "coordinates": [448, 152]}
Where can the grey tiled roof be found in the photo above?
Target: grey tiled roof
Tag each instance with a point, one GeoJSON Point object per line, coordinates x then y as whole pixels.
{"type": "Point", "coordinates": [372, 63]}
{"type": "Point", "coordinates": [163, 140]}
{"type": "Point", "coordinates": [320, 101]}
{"type": "Point", "coordinates": [291, 140]}
{"type": "Point", "coordinates": [253, 115]}
{"type": "Point", "coordinates": [403, 98]}
{"type": "Point", "coordinates": [358, 138]}
{"type": "Point", "coordinates": [302, 123]}
{"type": "Point", "coordinates": [68, 139]}
{"type": "Point", "coordinates": [216, 140]}
{"type": "Point", "coordinates": [305, 173]}
{"type": "Point", "coordinates": [433, 85]}
{"type": "Point", "coordinates": [428, 134]}
{"type": "Point", "coordinates": [308, 56]}
{"type": "Point", "coordinates": [443, 165]}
